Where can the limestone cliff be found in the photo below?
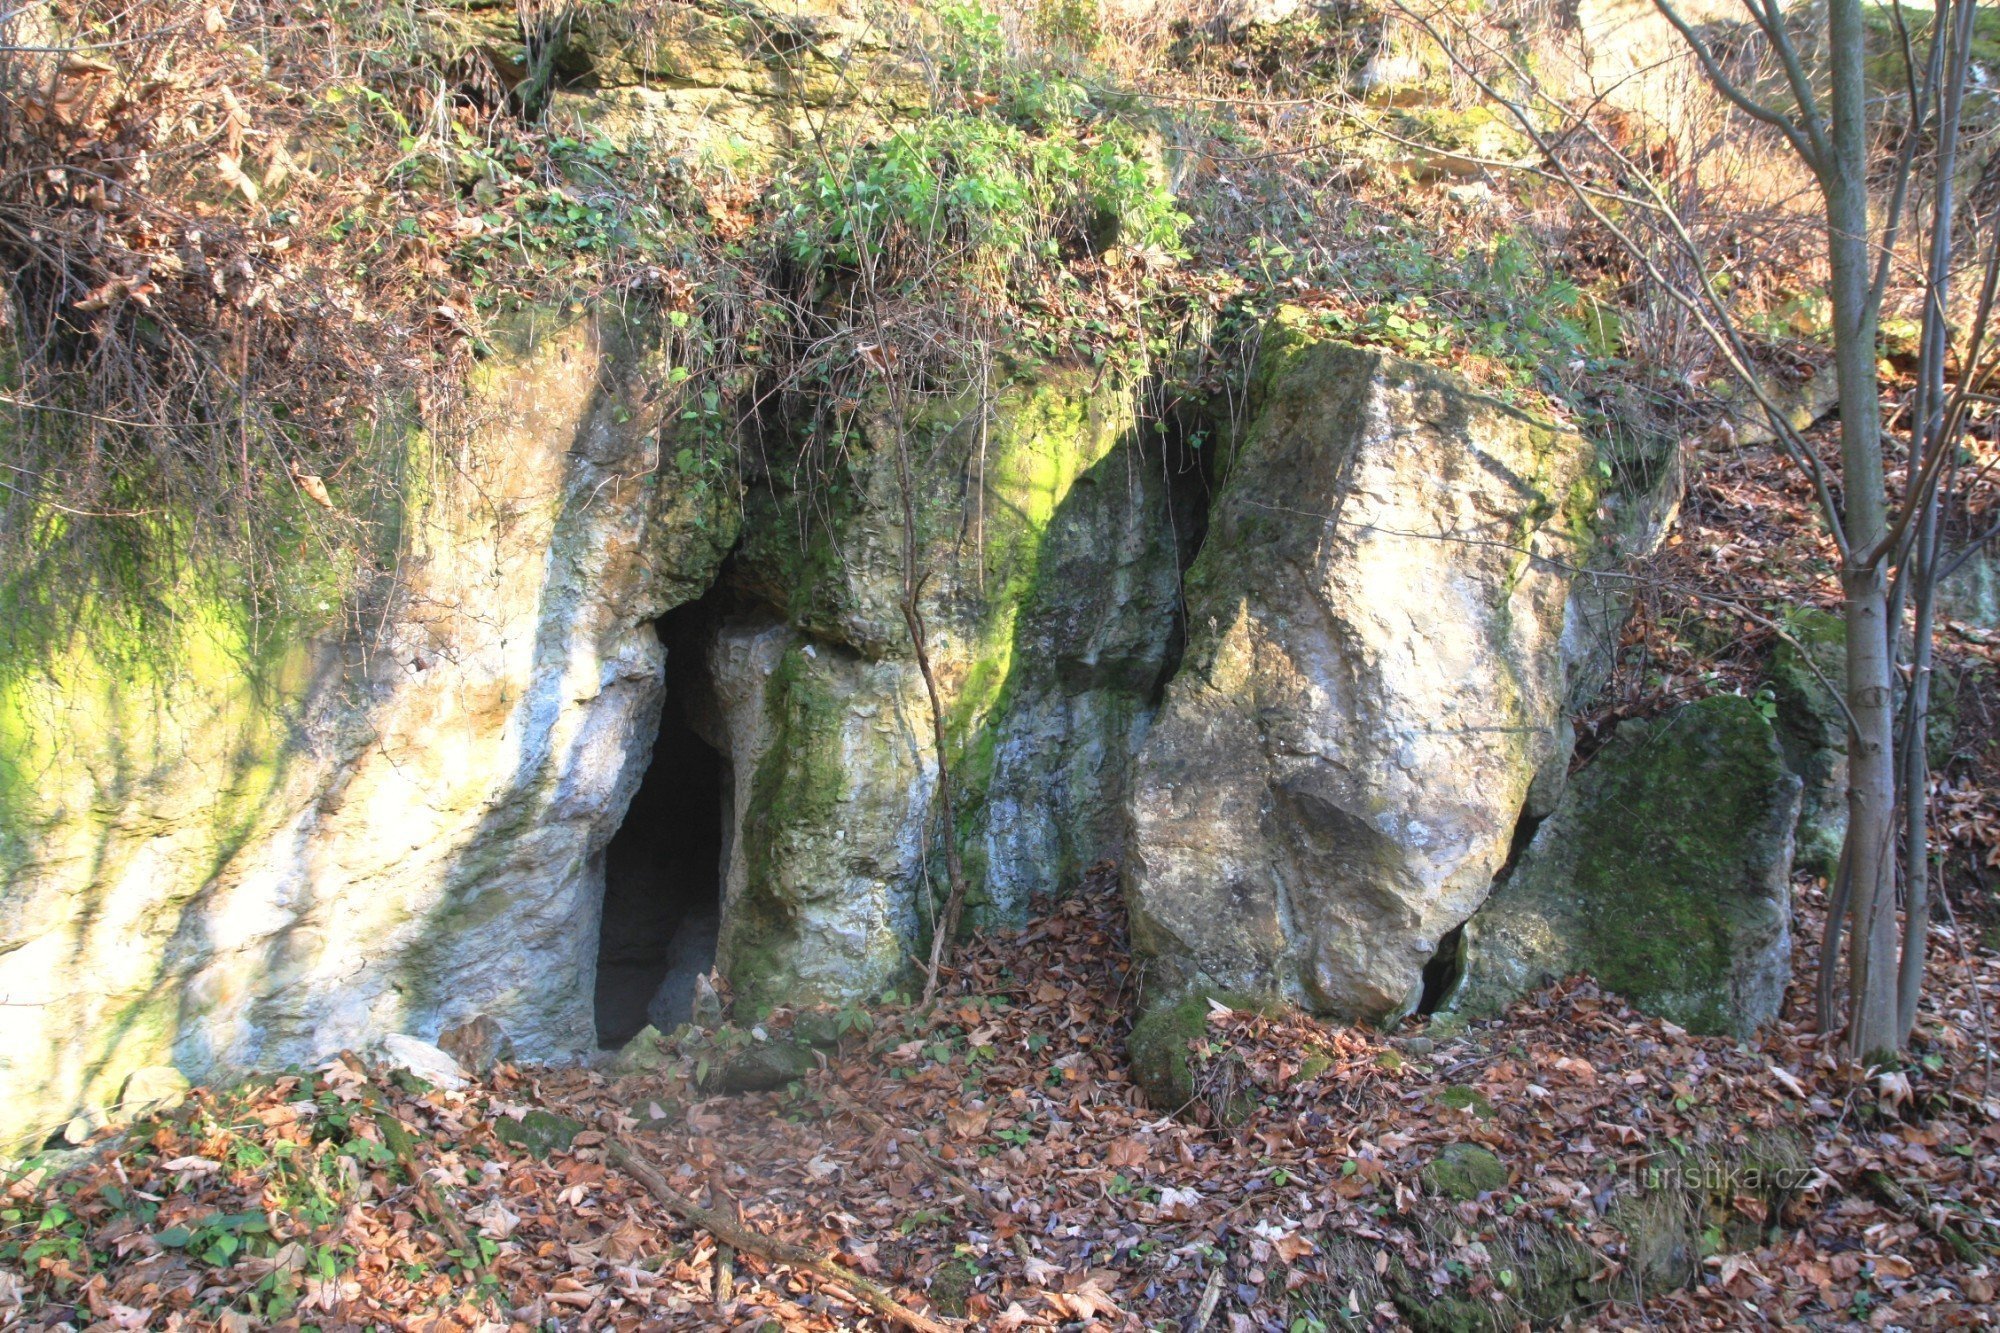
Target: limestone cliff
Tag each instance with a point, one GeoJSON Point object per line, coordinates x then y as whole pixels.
{"type": "Point", "coordinates": [220, 860]}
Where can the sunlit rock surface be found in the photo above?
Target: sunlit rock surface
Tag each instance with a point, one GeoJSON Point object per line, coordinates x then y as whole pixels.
{"type": "Point", "coordinates": [1049, 558]}
{"type": "Point", "coordinates": [1374, 675]}
{"type": "Point", "coordinates": [229, 858]}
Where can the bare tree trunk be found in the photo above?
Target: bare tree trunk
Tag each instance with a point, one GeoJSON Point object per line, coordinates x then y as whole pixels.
{"type": "Point", "coordinates": [1931, 431]}
{"type": "Point", "coordinates": [1871, 807]}
{"type": "Point", "coordinates": [1916, 782]}
{"type": "Point", "coordinates": [1871, 797]}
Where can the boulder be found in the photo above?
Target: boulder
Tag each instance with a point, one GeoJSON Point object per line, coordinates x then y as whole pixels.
{"type": "Point", "coordinates": [827, 842]}
{"type": "Point", "coordinates": [1374, 676]}
{"type": "Point", "coordinates": [1049, 540]}
{"type": "Point", "coordinates": [1665, 872]}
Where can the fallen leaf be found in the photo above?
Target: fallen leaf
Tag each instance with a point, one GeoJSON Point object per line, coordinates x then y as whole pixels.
{"type": "Point", "coordinates": [967, 1123]}
{"type": "Point", "coordinates": [496, 1221]}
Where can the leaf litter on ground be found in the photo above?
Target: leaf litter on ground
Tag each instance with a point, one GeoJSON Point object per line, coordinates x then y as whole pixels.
{"type": "Point", "coordinates": [990, 1160]}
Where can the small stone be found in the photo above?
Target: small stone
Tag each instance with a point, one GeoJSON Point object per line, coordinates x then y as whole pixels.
{"type": "Point", "coordinates": [151, 1090]}
{"type": "Point", "coordinates": [85, 1124]}
{"type": "Point", "coordinates": [419, 1057]}
{"type": "Point", "coordinates": [1464, 1171]}
{"type": "Point", "coordinates": [707, 1012]}
{"type": "Point", "coordinates": [763, 1067]}
{"type": "Point", "coordinates": [539, 1132]}
{"type": "Point", "coordinates": [1166, 1068]}
{"type": "Point", "coordinates": [646, 1052]}
{"type": "Point", "coordinates": [477, 1045]}
{"type": "Point", "coordinates": [817, 1027]}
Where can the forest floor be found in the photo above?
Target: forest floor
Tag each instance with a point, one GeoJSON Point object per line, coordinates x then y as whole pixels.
{"type": "Point", "coordinates": [990, 1158]}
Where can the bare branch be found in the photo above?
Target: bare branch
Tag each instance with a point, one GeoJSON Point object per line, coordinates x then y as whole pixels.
{"type": "Point", "coordinates": [1771, 20]}
{"type": "Point", "coordinates": [1809, 146]}
{"type": "Point", "coordinates": [1708, 312]}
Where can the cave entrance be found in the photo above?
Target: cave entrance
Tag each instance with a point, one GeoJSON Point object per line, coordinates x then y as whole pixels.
{"type": "Point", "coordinates": [663, 870]}
{"type": "Point", "coordinates": [1444, 971]}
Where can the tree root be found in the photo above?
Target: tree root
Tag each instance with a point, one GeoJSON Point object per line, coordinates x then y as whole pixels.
{"type": "Point", "coordinates": [1891, 1192]}
{"type": "Point", "coordinates": [731, 1233]}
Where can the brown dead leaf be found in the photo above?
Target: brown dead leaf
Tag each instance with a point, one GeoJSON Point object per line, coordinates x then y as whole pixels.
{"type": "Point", "coordinates": [314, 488]}
{"type": "Point", "coordinates": [1128, 1152]}
{"type": "Point", "coordinates": [967, 1123]}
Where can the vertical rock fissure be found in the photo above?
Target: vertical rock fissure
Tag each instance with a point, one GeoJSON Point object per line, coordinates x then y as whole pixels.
{"type": "Point", "coordinates": [664, 868]}
{"type": "Point", "coordinates": [1444, 971]}
{"type": "Point", "coordinates": [1186, 452]}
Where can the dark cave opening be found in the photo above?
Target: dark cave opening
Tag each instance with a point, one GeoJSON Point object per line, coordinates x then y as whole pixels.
{"type": "Point", "coordinates": [1181, 447]}
{"type": "Point", "coordinates": [1443, 971]}
{"type": "Point", "coordinates": [664, 868]}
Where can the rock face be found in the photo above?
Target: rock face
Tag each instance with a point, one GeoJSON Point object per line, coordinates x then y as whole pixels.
{"type": "Point", "coordinates": [232, 861]}
{"type": "Point", "coordinates": [1972, 593]}
{"type": "Point", "coordinates": [404, 840]}
{"type": "Point", "coordinates": [827, 835]}
{"type": "Point", "coordinates": [1664, 872]}
{"type": "Point", "coordinates": [238, 845]}
{"type": "Point", "coordinates": [1050, 600]}
{"type": "Point", "coordinates": [1373, 678]}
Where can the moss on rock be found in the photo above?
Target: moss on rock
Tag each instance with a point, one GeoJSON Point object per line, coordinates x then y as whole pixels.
{"type": "Point", "coordinates": [1050, 601]}
{"type": "Point", "coordinates": [1812, 728]}
{"type": "Point", "coordinates": [1172, 1063]}
{"type": "Point", "coordinates": [763, 1066]}
{"type": "Point", "coordinates": [1464, 1171]}
{"type": "Point", "coordinates": [539, 1133]}
{"type": "Point", "coordinates": [1664, 872]}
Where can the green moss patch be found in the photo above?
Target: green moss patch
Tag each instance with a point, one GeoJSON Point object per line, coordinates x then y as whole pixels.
{"type": "Point", "coordinates": [1464, 1171]}
{"type": "Point", "coordinates": [539, 1133]}
{"type": "Point", "coordinates": [1664, 872]}
{"type": "Point", "coordinates": [1182, 1064]}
